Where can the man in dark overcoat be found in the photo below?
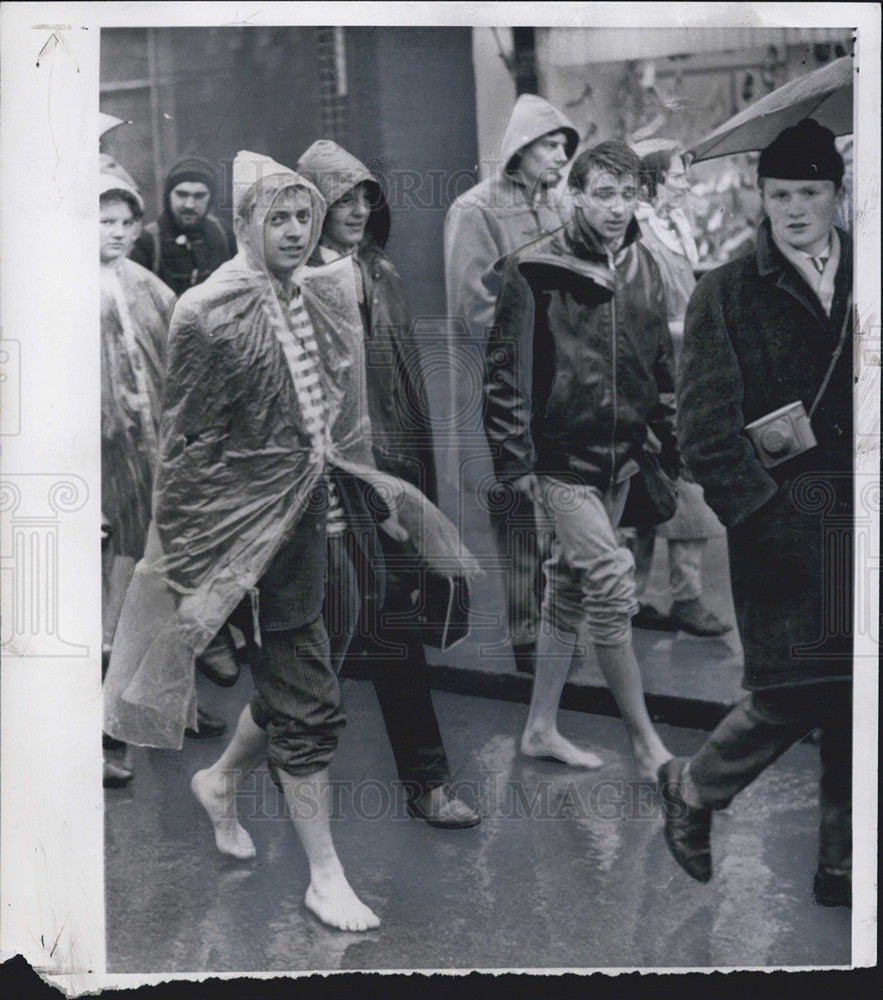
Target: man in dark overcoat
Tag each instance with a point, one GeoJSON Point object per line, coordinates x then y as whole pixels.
{"type": "Point", "coordinates": [763, 332]}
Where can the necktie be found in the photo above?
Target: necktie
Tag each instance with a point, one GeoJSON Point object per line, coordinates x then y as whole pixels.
{"type": "Point", "coordinates": [820, 262]}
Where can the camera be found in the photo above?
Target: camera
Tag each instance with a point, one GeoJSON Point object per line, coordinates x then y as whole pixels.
{"type": "Point", "coordinates": [782, 434]}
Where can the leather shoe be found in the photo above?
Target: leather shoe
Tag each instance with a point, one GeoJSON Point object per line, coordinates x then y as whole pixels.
{"type": "Point", "coordinates": [687, 829]}
{"type": "Point", "coordinates": [208, 727]}
{"type": "Point", "coordinates": [451, 814]}
{"type": "Point", "coordinates": [694, 618]}
{"type": "Point", "coordinates": [832, 888]}
{"type": "Point", "coordinates": [218, 660]}
{"type": "Point", "coordinates": [649, 617]}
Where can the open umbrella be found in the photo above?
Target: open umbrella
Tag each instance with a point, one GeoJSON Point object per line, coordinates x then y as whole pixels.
{"type": "Point", "coordinates": [825, 95]}
{"type": "Point", "coordinates": [107, 122]}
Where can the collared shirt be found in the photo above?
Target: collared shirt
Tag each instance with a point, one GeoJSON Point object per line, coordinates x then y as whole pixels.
{"type": "Point", "coordinates": [819, 278]}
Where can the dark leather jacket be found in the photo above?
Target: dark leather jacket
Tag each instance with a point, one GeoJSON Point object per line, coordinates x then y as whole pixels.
{"type": "Point", "coordinates": [580, 360]}
{"type": "Point", "coordinates": [401, 435]}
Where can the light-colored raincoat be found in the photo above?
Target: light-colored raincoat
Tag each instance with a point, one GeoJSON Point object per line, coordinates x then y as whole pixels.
{"type": "Point", "coordinates": [500, 215]}
{"type": "Point", "coordinates": [237, 466]}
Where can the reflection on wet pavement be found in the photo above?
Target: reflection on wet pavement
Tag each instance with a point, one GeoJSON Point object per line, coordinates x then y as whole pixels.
{"type": "Point", "coordinates": [566, 870]}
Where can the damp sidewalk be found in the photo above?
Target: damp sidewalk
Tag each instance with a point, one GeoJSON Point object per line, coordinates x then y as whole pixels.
{"type": "Point", "coordinates": [567, 870]}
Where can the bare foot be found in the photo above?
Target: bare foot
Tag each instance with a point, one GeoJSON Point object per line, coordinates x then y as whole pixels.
{"type": "Point", "coordinates": [334, 903]}
{"type": "Point", "coordinates": [230, 837]}
{"type": "Point", "coordinates": [553, 744]}
{"type": "Point", "coordinates": [648, 764]}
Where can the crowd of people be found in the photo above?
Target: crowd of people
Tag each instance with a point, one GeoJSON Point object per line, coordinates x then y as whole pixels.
{"type": "Point", "coordinates": [270, 495]}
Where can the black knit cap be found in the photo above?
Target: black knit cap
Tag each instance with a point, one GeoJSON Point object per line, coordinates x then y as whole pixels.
{"type": "Point", "coordinates": [192, 168]}
{"type": "Point", "coordinates": [804, 152]}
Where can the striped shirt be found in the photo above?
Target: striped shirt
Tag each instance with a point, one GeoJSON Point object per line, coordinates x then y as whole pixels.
{"type": "Point", "coordinates": [302, 355]}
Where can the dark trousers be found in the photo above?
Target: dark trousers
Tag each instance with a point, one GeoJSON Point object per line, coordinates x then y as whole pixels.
{"type": "Point", "coordinates": [760, 728]}
{"type": "Point", "coordinates": [297, 694]}
{"type": "Point", "coordinates": [396, 663]}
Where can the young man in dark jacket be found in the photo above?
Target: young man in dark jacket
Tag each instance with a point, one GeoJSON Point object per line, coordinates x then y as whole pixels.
{"type": "Point", "coordinates": [578, 364]}
{"type": "Point", "coordinates": [763, 332]}
{"type": "Point", "coordinates": [185, 244]}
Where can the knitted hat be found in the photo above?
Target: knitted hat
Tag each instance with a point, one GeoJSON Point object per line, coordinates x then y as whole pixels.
{"type": "Point", "coordinates": [804, 152]}
{"type": "Point", "coordinates": [192, 168]}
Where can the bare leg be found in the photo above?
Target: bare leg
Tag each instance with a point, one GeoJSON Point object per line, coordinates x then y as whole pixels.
{"type": "Point", "coordinates": [329, 895]}
{"type": "Point", "coordinates": [623, 676]}
{"type": "Point", "coordinates": [541, 737]}
{"type": "Point", "coordinates": [215, 788]}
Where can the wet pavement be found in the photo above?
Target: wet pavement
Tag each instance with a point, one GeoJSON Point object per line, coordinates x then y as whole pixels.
{"type": "Point", "coordinates": [566, 870]}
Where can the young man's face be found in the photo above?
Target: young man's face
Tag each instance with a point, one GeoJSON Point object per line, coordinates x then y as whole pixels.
{"type": "Point", "coordinates": [346, 219]}
{"type": "Point", "coordinates": [543, 160]}
{"type": "Point", "coordinates": [287, 230]}
{"type": "Point", "coordinates": [676, 185]}
{"type": "Point", "coordinates": [118, 229]}
{"type": "Point", "coordinates": [189, 203]}
{"type": "Point", "coordinates": [607, 203]}
{"type": "Point", "coordinates": [801, 213]}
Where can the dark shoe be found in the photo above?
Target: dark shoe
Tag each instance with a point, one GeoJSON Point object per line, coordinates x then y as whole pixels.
{"type": "Point", "coordinates": [687, 830]}
{"type": "Point", "coordinates": [649, 617]}
{"type": "Point", "coordinates": [218, 660]}
{"type": "Point", "coordinates": [208, 727]}
{"type": "Point", "coordinates": [525, 657]}
{"type": "Point", "coordinates": [453, 814]}
{"type": "Point", "coordinates": [693, 617]}
{"type": "Point", "coordinates": [109, 743]}
{"type": "Point", "coordinates": [116, 775]}
{"type": "Point", "coordinates": [832, 888]}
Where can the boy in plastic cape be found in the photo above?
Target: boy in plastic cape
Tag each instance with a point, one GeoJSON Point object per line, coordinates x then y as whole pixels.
{"type": "Point", "coordinates": [264, 404]}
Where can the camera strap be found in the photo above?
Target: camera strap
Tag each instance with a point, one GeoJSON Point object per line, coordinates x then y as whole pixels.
{"type": "Point", "coordinates": [837, 352]}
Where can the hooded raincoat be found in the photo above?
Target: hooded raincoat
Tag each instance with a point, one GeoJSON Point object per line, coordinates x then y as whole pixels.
{"type": "Point", "coordinates": [237, 467]}
{"type": "Point", "coordinates": [397, 402]}
{"type": "Point", "coordinates": [135, 312]}
{"type": "Point", "coordinates": [499, 215]}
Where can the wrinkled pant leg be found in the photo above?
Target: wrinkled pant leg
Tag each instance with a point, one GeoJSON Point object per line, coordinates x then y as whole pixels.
{"type": "Point", "coordinates": [835, 785]}
{"type": "Point", "coordinates": [685, 568]}
{"type": "Point", "coordinates": [589, 575]}
{"type": "Point", "coordinates": [753, 734]}
{"type": "Point", "coordinates": [299, 703]}
{"type": "Point", "coordinates": [522, 551]}
{"type": "Point", "coordinates": [342, 604]}
{"type": "Point", "coordinates": [401, 682]}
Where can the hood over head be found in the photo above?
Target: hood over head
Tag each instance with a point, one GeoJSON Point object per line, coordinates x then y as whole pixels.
{"type": "Point", "coordinates": [257, 182]}
{"type": "Point", "coordinates": [334, 171]}
{"type": "Point", "coordinates": [115, 178]}
{"type": "Point", "coordinates": [531, 118]}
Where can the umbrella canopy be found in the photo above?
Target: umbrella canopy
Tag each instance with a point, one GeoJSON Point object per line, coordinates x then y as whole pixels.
{"type": "Point", "coordinates": [107, 122]}
{"type": "Point", "coordinates": [825, 95]}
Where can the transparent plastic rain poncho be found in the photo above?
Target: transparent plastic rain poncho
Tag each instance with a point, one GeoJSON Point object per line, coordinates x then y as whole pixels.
{"type": "Point", "coordinates": [236, 466]}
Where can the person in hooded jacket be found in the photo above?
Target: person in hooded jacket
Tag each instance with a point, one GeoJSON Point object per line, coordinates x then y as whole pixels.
{"type": "Point", "coordinates": [135, 312]}
{"type": "Point", "coordinates": [518, 203]}
{"type": "Point", "coordinates": [357, 223]}
{"type": "Point", "coordinates": [247, 491]}
{"type": "Point", "coordinates": [186, 243]}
